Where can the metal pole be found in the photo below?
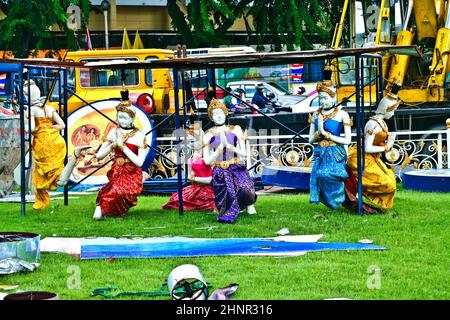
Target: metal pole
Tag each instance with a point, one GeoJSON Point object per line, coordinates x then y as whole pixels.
{"type": "Point", "coordinates": [184, 126]}
{"type": "Point", "coordinates": [105, 13]}
{"type": "Point", "coordinates": [28, 136]}
{"type": "Point", "coordinates": [22, 142]}
{"type": "Point", "coordinates": [177, 130]}
{"type": "Point", "coordinates": [359, 124]}
{"type": "Point", "coordinates": [380, 79]}
{"type": "Point", "coordinates": [66, 132]}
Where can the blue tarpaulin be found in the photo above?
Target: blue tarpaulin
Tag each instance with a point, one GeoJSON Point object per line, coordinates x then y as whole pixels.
{"type": "Point", "coordinates": [193, 247]}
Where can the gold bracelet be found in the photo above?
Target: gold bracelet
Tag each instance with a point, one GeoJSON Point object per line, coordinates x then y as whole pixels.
{"type": "Point", "coordinates": [121, 147]}
{"type": "Point", "coordinates": [328, 135]}
{"type": "Point", "coordinates": [386, 148]}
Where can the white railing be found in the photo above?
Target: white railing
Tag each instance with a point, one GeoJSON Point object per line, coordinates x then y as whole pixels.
{"type": "Point", "coordinates": [418, 149]}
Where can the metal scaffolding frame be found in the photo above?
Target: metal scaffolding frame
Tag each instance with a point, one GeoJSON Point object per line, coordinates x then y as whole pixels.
{"type": "Point", "coordinates": [180, 65]}
{"type": "Point", "coordinates": [25, 136]}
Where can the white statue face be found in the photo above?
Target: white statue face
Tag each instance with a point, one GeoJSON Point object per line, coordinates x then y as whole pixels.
{"type": "Point", "coordinates": [218, 117]}
{"type": "Point", "coordinates": [326, 101]}
{"type": "Point", "coordinates": [125, 120]}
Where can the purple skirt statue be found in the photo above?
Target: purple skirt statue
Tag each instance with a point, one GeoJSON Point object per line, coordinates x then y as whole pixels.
{"type": "Point", "coordinates": [234, 190]}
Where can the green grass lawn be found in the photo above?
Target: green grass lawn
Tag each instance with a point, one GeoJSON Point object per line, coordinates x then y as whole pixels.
{"type": "Point", "coordinates": [416, 266]}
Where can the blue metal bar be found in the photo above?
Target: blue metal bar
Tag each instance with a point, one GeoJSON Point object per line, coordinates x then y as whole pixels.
{"type": "Point", "coordinates": [183, 88]}
{"type": "Point", "coordinates": [380, 79]}
{"type": "Point", "coordinates": [177, 130]}
{"type": "Point", "coordinates": [66, 133]}
{"type": "Point", "coordinates": [22, 142]}
{"type": "Point", "coordinates": [359, 124]}
{"type": "Point", "coordinates": [28, 138]}
{"type": "Point", "coordinates": [60, 102]}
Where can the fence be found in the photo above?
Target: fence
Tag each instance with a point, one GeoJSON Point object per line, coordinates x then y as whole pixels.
{"type": "Point", "coordinates": [412, 149]}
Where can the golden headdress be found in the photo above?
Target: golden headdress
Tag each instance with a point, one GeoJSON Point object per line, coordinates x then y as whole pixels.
{"type": "Point", "coordinates": [125, 105]}
{"type": "Point", "coordinates": [327, 84]}
{"type": "Point", "coordinates": [216, 104]}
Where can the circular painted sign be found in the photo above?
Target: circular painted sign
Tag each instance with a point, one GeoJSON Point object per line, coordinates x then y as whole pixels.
{"type": "Point", "coordinates": [86, 126]}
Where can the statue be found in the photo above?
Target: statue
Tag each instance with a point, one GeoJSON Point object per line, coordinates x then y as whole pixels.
{"type": "Point", "coordinates": [48, 148]}
{"type": "Point", "coordinates": [125, 176]}
{"type": "Point", "coordinates": [328, 172]}
{"type": "Point", "coordinates": [199, 195]}
{"type": "Point", "coordinates": [224, 150]}
{"type": "Point", "coordinates": [378, 181]}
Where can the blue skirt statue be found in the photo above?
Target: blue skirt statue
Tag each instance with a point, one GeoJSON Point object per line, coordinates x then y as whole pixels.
{"type": "Point", "coordinates": [330, 131]}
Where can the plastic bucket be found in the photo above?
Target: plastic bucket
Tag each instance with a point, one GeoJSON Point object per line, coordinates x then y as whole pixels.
{"type": "Point", "coordinates": [22, 245]}
{"type": "Point", "coordinates": [186, 282]}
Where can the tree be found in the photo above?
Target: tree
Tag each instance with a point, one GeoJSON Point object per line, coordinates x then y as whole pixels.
{"type": "Point", "coordinates": [206, 21]}
{"type": "Point", "coordinates": [28, 22]}
{"type": "Point", "coordinates": [292, 22]}
{"type": "Point", "coordinates": [285, 22]}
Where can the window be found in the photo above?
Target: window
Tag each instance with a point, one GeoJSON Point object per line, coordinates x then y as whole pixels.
{"type": "Point", "coordinates": [278, 88]}
{"type": "Point", "coordinates": [148, 72]}
{"type": "Point", "coordinates": [249, 91]}
{"type": "Point", "coordinates": [198, 78]}
{"type": "Point", "coordinates": [346, 71]}
{"type": "Point", "coordinates": [54, 97]}
{"type": "Point", "coordinates": [98, 78]}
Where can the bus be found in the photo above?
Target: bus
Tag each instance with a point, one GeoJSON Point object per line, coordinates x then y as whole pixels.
{"type": "Point", "coordinates": [150, 89]}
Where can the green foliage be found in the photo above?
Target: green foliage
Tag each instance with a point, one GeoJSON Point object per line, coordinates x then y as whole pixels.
{"type": "Point", "coordinates": [291, 22]}
{"type": "Point", "coordinates": [415, 266]}
{"type": "Point", "coordinates": [27, 24]}
{"type": "Point", "coordinates": [284, 22]}
{"type": "Point", "coordinates": [206, 21]}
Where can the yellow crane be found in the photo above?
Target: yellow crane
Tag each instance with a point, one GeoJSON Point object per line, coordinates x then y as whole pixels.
{"type": "Point", "coordinates": [425, 81]}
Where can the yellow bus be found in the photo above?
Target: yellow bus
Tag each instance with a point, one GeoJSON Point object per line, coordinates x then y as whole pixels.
{"type": "Point", "coordinates": [150, 89]}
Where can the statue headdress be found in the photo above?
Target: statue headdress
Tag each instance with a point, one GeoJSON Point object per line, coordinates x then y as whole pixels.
{"type": "Point", "coordinates": [327, 84]}
{"type": "Point", "coordinates": [34, 91]}
{"type": "Point", "coordinates": [216, 104]}
{"type": "Point", "coordinates": [390, 101]}
{"type": "Point", "coordinates": [125, 105]}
